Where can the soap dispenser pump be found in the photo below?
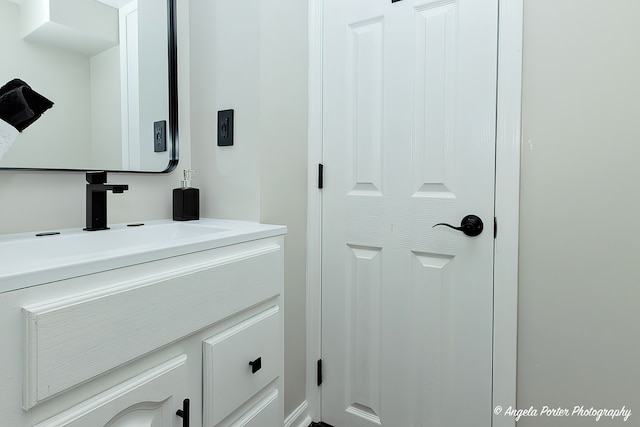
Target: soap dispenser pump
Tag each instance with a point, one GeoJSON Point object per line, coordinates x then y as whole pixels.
{"type": "Point", "coordinates": [186, 200]}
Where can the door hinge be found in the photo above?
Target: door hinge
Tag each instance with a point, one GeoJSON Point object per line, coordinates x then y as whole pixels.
{"type": "Point", "coordinates": [320, 175]}
{"type": "Point", "coordinates": [319, 372]}
{"type": "Point", "coordinates": [495, 227]}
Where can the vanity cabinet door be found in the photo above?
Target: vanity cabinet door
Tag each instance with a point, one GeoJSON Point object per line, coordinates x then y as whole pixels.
{"type": "Point", "coordinates": [150, 399]}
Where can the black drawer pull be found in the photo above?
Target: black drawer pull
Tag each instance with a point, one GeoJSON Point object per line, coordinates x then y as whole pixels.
{"type": "Point", "coordinates": [256, 365]}
{"type": "Point", "coordinates": [184, 413]}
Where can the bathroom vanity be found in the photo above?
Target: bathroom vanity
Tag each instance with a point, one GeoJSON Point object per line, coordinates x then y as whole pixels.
{"type": "Point", "coordinates": [162, 325]}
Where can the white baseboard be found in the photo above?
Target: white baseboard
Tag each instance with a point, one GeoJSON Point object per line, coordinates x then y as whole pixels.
{"type": "Point", "coordinates": [299, 417]}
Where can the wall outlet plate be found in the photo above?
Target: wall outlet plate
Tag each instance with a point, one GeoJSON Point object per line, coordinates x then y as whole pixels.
{"type": "Point", "coordinates": [225, 128]}
{"type": "Point", "coordinates": [160, 136]}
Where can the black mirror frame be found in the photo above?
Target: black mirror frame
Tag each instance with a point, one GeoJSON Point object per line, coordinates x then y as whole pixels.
{"type": "Point", "coordinates": [172, 44]}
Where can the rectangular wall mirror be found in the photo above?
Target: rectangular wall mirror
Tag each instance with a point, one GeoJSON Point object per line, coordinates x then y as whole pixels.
{"type": "Point", "coordinates": [110, 68]}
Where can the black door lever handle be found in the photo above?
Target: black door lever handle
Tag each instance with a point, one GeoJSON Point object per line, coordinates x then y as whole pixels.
{"type": "Point", "coordinates": [471, 225]}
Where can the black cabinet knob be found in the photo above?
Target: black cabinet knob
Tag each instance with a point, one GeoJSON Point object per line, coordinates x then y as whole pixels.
{"type": "Point", "coordinates": [256, 365]}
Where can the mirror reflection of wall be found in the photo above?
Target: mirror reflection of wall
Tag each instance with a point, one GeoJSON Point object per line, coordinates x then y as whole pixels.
{"type": "Point", "coordinates": [104, 63]}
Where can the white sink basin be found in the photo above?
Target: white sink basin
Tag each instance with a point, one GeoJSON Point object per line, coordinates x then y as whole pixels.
{"type": "Point", "coordinates": [82, 244]}
{"type": "Point", "coordinates": [27, 259]}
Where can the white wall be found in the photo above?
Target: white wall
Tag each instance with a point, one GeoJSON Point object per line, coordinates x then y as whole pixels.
{"type": "Point", "coordinates": [580, 204]}
{"type": "Point", "coordinates": [251, 56]}
{"type": "Point", "coordinates": [53, 200]}
{"type": "Point", "coordinates": [106, 127]}
{"type": "Point", "coordinates": [283, 167]}
{"type": "Point", "coordinates": [225, 74]}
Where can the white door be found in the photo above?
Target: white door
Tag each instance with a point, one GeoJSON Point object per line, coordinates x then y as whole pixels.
{"type": "Point", "coordinates": [409, 110]}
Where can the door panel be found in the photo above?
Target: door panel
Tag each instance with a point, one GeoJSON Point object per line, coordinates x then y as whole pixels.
{"type": "Point", "coordinates": [434, 99]}
{"type": "Point", "coordinates": [364, 286]}
{"type": "Point", "coordinates": [409, 141]}
{"type": "Point", "coordinates": [364, 104]}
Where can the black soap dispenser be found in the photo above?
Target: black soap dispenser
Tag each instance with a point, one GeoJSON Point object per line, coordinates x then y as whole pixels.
{"type": "Point", "coordinates": [186, 200]}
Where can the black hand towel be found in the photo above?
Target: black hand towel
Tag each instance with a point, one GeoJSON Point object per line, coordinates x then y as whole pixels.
{"type": "Point", "coordinates": [20, 105]}
{"type": "Point", "coordinates": [13, 84]}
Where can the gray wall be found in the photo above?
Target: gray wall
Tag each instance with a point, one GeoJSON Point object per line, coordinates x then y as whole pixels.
{"type": "Point", "coordinates": [580, 203]}
{"type": "Point", "coordinates": [251, 56]}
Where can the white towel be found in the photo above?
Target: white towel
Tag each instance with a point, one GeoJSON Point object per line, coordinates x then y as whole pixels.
{"type": "Point", "coordinates": [8, 134]}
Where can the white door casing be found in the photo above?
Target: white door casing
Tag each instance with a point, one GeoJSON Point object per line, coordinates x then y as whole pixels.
{"type": "Point", "coordinates": [409, 113]}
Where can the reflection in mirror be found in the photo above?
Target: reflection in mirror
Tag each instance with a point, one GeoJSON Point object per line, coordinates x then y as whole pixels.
{"type": "Point", "coordinates": [109, 66]}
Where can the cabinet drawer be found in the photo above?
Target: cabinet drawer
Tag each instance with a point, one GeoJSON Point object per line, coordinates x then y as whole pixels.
{"type": "Point", "coordinates": [239, 362]}
{"type": "Point", "coordinates": [266, 413]}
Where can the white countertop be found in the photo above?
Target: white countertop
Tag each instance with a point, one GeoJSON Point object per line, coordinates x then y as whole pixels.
{"type": "Point", "coordinates": [27, 260]}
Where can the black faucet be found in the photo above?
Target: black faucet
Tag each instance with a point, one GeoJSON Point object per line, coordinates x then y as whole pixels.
{"type": "Point", "coordinates": [97, 199]}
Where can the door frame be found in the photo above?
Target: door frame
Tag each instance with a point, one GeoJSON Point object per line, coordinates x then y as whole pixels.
{"type": "Point", "coordinates": [507, 201]}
